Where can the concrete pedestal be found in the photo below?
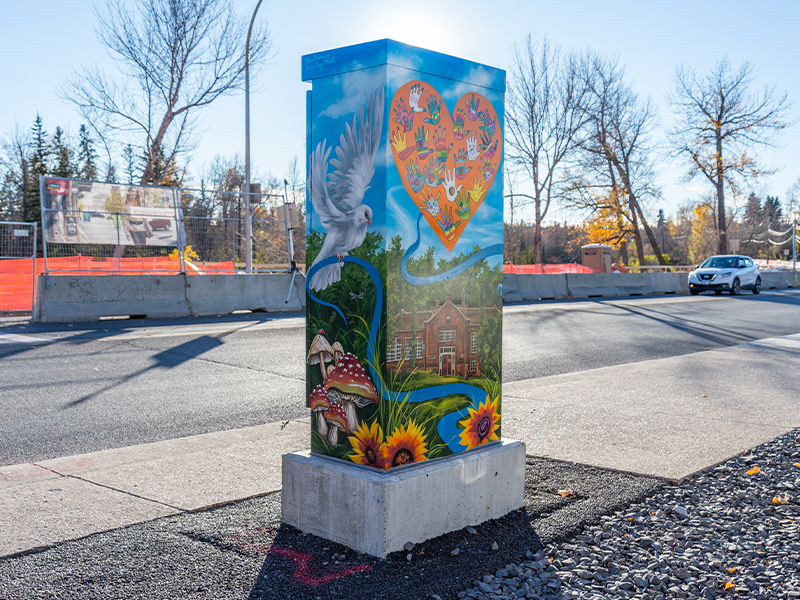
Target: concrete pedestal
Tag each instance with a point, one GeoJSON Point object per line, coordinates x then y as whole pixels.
{"type": "Point", "coordinates": [377, 513]}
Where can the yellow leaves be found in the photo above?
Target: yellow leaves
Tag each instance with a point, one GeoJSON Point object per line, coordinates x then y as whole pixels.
{"type": "Point", "coordinates": [781, 499]}
{"type": "Point", "coordinates": [754, 471]}
{"type": "Point", "coordinates": [728, 585]}
{"type": "Point", "coordinates": [732, 570]}
{"type": "Point", "coordinates": [565, 493]}
{"type": "Point", "coordinates": [797, 465]}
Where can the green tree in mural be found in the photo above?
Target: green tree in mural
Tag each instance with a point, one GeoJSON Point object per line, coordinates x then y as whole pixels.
{"type": "Point", "coordinates": [489, 341]}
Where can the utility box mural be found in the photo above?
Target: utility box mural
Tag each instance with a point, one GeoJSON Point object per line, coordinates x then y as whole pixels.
{"type": "Point", "coordinates": [405, 247]}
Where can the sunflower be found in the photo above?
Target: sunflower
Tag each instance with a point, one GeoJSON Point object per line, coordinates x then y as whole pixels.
{"type": "Point", "coordinates": [405, 446]}
{"type": "Point", "coordinates": [481, 425]}
{"type": "Point", "coordinates": [369, 446]}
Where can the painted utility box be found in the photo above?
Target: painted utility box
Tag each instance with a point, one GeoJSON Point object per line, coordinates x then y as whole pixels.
{"type": "Point", "coordinates": [405, 242]}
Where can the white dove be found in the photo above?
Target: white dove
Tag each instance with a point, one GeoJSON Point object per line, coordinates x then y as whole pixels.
{"type": "Point", "coordinates": [337, 199]}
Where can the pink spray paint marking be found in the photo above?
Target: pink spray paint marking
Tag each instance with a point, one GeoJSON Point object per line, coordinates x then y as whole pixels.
{"type": "Point", "coordinates": [302, 569]}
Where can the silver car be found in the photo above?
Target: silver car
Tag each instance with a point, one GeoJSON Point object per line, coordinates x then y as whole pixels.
{"type": "Point", "coordinates": [726, 273]}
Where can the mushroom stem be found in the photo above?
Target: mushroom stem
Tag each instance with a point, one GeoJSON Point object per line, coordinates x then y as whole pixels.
{"type": "Point", "coordinates": [333, 436]}
{"type": "Point", "coordinates": [322, 366]}
{"type": "Point", "coordinates": [322, 425]}
{"type": "Point", "coordinates": [352, 418]}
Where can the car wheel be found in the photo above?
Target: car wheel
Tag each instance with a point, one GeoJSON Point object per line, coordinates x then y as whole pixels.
{"type": "Point", "coordinates": [757, 286]}
{"type": "Point", "coordinates": [735, 288]}
{"type": "Point", "coordinates": [694, 292]}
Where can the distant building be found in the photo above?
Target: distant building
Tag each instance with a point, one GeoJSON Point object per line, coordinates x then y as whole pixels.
{"type": "Point", "coordinates": [443, 342]}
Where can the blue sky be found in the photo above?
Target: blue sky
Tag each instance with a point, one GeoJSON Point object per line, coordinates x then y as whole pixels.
{"type": "Point", "coordinates": [42, 42]}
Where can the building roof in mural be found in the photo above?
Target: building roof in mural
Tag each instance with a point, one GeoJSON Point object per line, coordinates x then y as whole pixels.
{"type": "Point", "coordinates": [386, 51]}
{"type": "Point", "coordinates": [404, 319]}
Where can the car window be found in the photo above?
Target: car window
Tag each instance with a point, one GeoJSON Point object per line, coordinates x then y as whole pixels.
{"type": "Point", "coordinates": [748, 262]}
{"type": "Point", "coordinates": [742, 262]}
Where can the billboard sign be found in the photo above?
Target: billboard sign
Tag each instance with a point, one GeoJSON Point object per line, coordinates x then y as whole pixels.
{"type": "Point", "coordinates": [86, 212]}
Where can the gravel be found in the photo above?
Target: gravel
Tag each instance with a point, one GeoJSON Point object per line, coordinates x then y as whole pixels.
{"type": "Point", "coordinates": [583, 533]}
{"type": "Point", "coordinates": [733, 530]}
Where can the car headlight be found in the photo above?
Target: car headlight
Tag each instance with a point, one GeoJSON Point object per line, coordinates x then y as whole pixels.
{"type": "Point", "coordinates": [726, 274]}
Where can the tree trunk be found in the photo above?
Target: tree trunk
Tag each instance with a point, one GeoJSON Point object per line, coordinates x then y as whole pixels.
{"type": "Point", "coordinates": [623, 244]}
{"type": "Point", "coordinates": [720, 183]}
{"type": "Point", "coordinates": [637, 235]}
{"type": "Point", "coordinates": [155, 149]}
{"type": "Point", "coordinates": [651, 236]}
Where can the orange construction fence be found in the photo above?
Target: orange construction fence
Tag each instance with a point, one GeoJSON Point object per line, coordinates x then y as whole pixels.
{"type": "Point", "coordinates": [545, 269]}
{"type": "Point", "coordinates": [17, 283]}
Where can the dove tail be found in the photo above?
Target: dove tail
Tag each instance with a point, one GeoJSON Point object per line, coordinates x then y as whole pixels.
{"type": "Point", "coordinates": [325, 277]}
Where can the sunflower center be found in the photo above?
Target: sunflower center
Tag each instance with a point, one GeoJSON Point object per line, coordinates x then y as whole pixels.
{"type": "Point", "coordinates": [370, 454]}
{"type": "Point", "coordinates": [483, 427]}
{"type": "Point", "coordinates": [403, 457]}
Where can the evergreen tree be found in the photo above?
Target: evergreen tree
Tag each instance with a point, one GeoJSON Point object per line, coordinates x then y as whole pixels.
{"type": "Point", "coordinates": [87, 167]}
{"type": "Point", "coordinates": [753, 214]}
{"type": "Point", "coordinates": [165, 172]}
{"type": "Point", "coordinates": [661, 223]}
{"type": "Point", "coordinates": [773, 212]}
{"type": "Point", "coordinates": [111, 173]}
{"type": "Point", "coordinates": [39, 165]}
{"type": "Point", "coordinates": [130, 164]}
{"type": "Point", "coordinates": [63, 154]}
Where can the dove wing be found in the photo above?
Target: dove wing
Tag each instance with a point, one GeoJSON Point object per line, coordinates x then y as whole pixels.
{"type": "Point", "coordinates": [355, 157]}
{"type": "Point", "coordinates": [329, 215]}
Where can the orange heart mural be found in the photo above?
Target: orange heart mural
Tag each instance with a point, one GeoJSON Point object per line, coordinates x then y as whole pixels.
{"type": "Point", "coordinates": [447, 162]}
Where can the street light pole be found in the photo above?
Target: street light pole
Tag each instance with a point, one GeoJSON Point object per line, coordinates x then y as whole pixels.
{"type": "Point", "coordinates": [248, 224]}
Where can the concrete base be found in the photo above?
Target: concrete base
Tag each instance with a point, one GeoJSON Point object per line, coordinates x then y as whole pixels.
{"type": "Point", "coordinates": [377, 513]}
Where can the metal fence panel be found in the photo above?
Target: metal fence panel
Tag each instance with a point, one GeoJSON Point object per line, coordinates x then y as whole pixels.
{"type": "Point", "coordinates": [94, 227]}
{"type": "Point", "coordinates": [18, 268]}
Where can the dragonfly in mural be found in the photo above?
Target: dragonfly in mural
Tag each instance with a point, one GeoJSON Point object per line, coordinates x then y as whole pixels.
{"type": "Point", "coordinates": [337, 198]}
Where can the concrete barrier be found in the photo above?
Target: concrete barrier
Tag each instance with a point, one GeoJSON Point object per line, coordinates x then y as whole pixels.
{"type": "Point", "coordinates": [540, 287]}
{"type": "Point", "coordinates": [87, 298]}
{"type": "Point", "coordinates": [669, 283]}
{"type": "Point", "coordinates": [74, 298]}
{"type": "Point", "coordinates": [224, 294]}
{"type": "Point", "coordinates": [594, 285]}
{"type": "Point", "coordinates": [777, 280]}
{"type": "Point", "coordinates": [70, 299]}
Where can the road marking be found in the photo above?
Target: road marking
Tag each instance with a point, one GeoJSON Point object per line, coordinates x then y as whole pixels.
{"type": "Point", "coordinates": [15, 338]}
{"type": "Point", "coordinates": [788, 341]}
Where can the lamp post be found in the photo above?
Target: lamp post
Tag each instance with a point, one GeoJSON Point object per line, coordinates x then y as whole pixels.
{"type": "Point", "coordinates": [248, 224]}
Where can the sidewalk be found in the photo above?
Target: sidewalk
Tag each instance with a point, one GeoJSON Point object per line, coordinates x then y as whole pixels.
{"type": "Point", "coordinates": [663, 419]}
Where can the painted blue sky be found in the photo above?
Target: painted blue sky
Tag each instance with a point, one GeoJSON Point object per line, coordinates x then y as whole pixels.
{"type": "Point", "coordinates": [344, 79]}
{"type": "Point", "coordinates": [44, 41]}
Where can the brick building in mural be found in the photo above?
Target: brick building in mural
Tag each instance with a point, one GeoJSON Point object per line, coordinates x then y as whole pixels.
{"type": "Point", "coordinates": [443, 340]}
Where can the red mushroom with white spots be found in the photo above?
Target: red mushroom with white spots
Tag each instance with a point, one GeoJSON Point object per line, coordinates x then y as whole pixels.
{"type": "Point", "coordinates": [350, 385]}
{"type": "Point", "coordinates": [318, 403]}
{"type": "Point", "coordinates": [336, 420]}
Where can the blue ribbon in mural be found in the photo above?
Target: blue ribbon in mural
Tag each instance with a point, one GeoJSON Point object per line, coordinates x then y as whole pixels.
{"type": "Point", "coordinates": [457, 270]}
{"type": "Point", "coordinates": [447, 426]}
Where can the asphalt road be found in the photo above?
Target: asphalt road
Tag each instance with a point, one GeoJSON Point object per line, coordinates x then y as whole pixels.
{"type": "Point", "coordinates": [75, 389]}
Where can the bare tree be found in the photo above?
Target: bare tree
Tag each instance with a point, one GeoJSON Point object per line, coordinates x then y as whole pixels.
{"type": "Point", "coordinates": [542, 120]}
{"type": "Point", "coordinates": [175, 57]}
{"type": "Point", "coordinates": [718, 120]}
{"type": "Point", "coordinates": [616, 144]}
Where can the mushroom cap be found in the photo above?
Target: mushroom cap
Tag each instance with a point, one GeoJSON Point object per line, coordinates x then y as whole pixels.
{"type": "Point", "coordinates": [337, 347]}
{"type": "Point", "coordinates": [349, 377]}
{"type": "Point", "coordinates": [318, 400]}
{"type": "Point", "coordinates": [335, 416]}
{"type": "Point", "coordinates": [320, 348]}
